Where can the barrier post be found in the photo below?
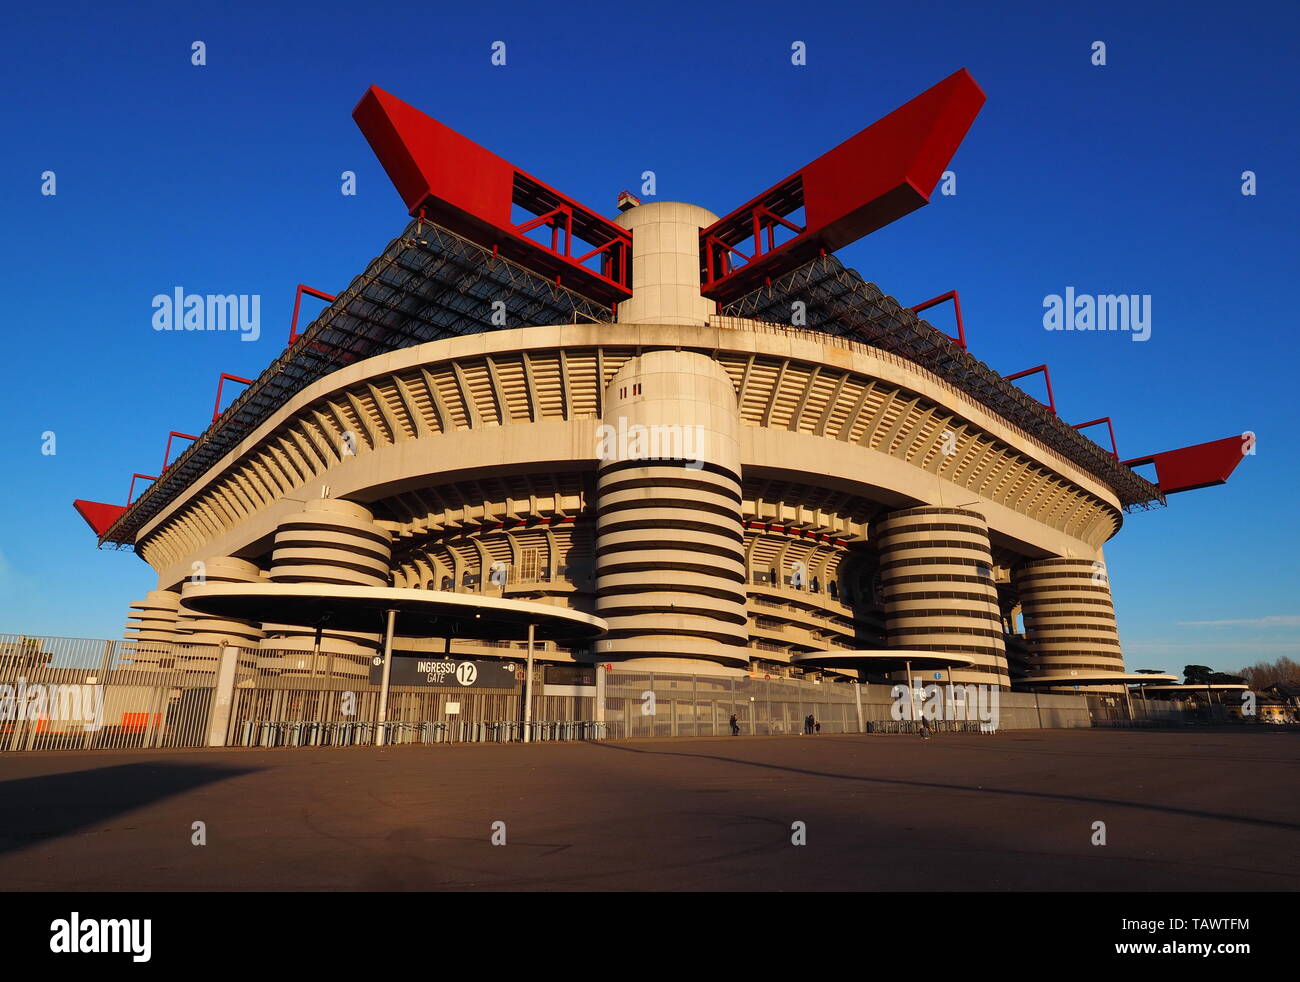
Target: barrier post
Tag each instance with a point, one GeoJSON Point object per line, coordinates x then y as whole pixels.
{"type": "Point", "coordinates": [223, 697]}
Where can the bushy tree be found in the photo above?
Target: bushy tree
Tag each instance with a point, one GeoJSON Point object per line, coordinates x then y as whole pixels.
{"type": "Point", "coordinates": [1262, 674]}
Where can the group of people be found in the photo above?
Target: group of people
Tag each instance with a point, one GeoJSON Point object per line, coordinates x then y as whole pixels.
{"type": "Point", "coordinates": [810, 725]}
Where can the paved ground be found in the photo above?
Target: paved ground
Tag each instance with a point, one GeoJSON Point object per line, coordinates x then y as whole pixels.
{"type": "Point", "coordinates": [1183, 811]}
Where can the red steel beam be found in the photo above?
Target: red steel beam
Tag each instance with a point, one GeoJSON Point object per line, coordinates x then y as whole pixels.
{"type": "Point", "coordinates": [1047, 376]}
{"type": "Point", "coordinates": [452, 181]}
{"type": "Point", "coordinates": [1202, 465]}
{"type": "Point", "coordinates": [1114, 451]}
{"type": "Point", "coordinates": [216, 406]}
{"type": "Point", "coordinates": [131, 493]}
{"type": "Point", "coordinates": [956, 306]}
{"type": "Point", "coordinates": [871, 179]}
{"type": "Point", "coordinates": [167, 454]}
{"type": "Point", "coordinates": [297, 303]}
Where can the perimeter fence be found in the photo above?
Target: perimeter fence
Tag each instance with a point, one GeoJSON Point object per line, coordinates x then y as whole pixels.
{"type": "Point", "coordinates": [78, 693]}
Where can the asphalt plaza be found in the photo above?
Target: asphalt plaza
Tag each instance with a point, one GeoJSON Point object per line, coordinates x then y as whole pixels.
{"type": "Point", "coordinates": [1183, 811]}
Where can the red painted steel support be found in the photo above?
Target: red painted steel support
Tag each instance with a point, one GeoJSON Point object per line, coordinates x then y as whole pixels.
{"type": "Point", "coordinates": [453, 182]}
{"type": "Point", "coordinates": [1047, 376]}
{"type": "Point", "coordinates": [297, 303]}
{"type": "Point", "coordinates": [871, 179]}
{"type": "Point", "coordinates": [130, 494]}
{"type": "Point", "coordinates": [168, 452]}
{"type": "Point", "coordinates": [956, 306]}
{"type": "Point", "coordinates": [216, 406]}
{"type": "Point", "coordinates": [99, 515]}
{"type": "Point", "coordinates": [1114, 451]}
{"type": "Point", "coordinates": [1202, 465]}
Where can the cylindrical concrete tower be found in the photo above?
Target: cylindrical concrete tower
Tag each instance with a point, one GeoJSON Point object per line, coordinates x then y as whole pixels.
{"type": "Point", "coordinates": [151, 633]}
{"type": "Point", "coordinates": [666, 264]}
{"type": "Point", "coordinates": [202, 629]}
{"type": "Point", "coordinates": [936, 572]}
{"type": "Point", "coordinates": [670, 571]}
{"type": "Point", "coordinates": [1069, 616]}
{"type": "Point", "coordinates": [332, 541]}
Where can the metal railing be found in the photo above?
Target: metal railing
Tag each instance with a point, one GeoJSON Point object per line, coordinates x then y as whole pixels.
{"type": "Point", "coordinates": [314, 733]}
{"type": "Point", "coordinates": [934, 726]}
{"type": "Point", "coordinates": [96, 694]}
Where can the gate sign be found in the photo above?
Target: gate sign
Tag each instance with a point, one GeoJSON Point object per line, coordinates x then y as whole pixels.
{"type": "Point", "coordinates": [445, 673]}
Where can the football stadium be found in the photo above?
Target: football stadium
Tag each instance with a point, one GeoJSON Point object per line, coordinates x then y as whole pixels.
{"type": "Point", "coordinates": [537, 463]}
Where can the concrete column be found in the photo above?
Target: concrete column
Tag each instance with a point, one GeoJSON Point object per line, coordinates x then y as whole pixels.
{"type": "Point", "coordinates": [666, 264]}
{"type": "Point", "coordinates": [936, 573]}
{"type": "Point", "coordinates": [670, 571]}
{"type": "Point", "coordinates": [223, 696]}
{"type": "Point", "coordinates": [1069, 617]}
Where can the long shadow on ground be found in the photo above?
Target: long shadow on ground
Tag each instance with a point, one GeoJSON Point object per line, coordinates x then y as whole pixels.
{"type": "Point", "coordinates": [34, 809]}
{"type": "Point", "coordinates": [937, 785]}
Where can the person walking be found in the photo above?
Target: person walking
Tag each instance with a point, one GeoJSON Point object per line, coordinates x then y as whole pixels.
{"type": "Point", "coordinates": [735, 726]}
{"type": "Point", "coordinates": [817, 725]}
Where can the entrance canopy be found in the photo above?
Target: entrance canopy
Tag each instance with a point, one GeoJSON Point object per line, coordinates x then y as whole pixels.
{"type": "Point", "coordinates": [1193, 688]}
{"type": "Point", "coordinates": [1086, 680]}
{"type": "Point", "coordinates": [881, 661]}
{"type": "Point", "coordinates": [420, 613]}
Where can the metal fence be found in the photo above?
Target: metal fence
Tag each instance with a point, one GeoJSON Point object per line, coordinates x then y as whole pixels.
{"type": "Point", "coordinates": [650, 704]}
{"type": "Point", "coordinates": [84, 694]}
{"type": "Point", "coordinates": [76, 693]}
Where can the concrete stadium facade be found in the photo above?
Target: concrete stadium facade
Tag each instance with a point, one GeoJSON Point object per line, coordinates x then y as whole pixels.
{"type": "Point", "coordinates": [725, 492]}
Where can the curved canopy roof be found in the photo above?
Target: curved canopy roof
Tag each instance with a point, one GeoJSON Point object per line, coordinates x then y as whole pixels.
{"type": "Point", "coordinates": [881, 660]}
{"type": "Point", "coordinates": [1182, 687]}
{"type": "Point", "coordinates": [428, 613]}
{"type": "Point", "coordinates": [1088, 679]}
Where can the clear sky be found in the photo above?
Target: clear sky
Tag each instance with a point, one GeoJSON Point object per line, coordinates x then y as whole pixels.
{"type": "Point", "coordinates": [225, 178]}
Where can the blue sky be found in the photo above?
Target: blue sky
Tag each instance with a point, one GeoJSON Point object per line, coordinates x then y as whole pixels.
{"type": "Point", "coordinates": [1124, 178]}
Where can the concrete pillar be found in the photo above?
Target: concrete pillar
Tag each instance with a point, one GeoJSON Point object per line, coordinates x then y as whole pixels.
{"type": "Point", "coordinates": [223, 695]}
{"type": "Point", "coordinates": [670, 570]}
{"type": "Point", "coordinates": [1069, 617]}
{"type": "Point", "coordinates": [666, 264]}
{"type": "Point", "coordinates": [936, 573]}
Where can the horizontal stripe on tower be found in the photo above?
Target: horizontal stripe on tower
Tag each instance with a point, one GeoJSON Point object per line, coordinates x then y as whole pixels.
{"type": "Point", "coordinates": [632, 484]}
{"type": "Point", "coordinates": [341, 529]}
{"type": "Point", "coordinates": [629, 525]}
{"type": "Point", "coordinates": [648, 504]}
{"type": "Point", "coordinates": [616, 467]}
